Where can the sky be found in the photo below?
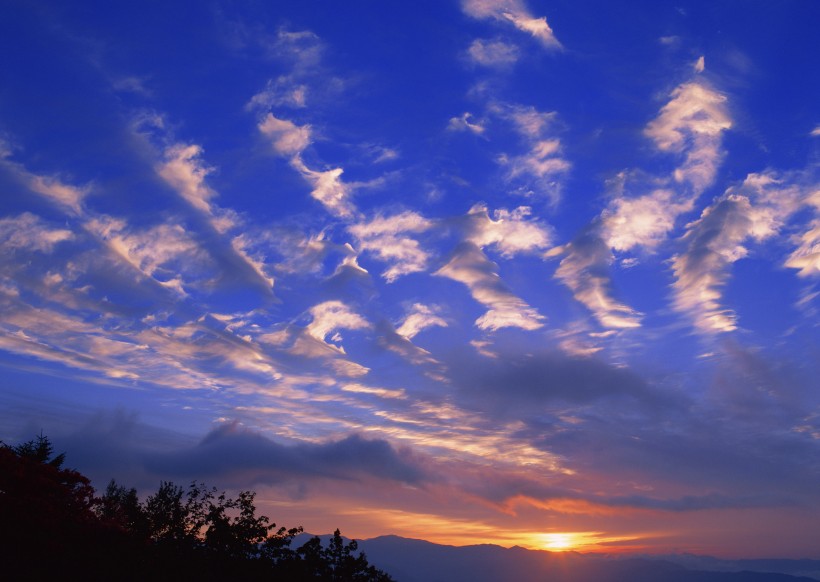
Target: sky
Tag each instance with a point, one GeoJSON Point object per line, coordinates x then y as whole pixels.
{"type": "Point", "coordinates": [481, 271]}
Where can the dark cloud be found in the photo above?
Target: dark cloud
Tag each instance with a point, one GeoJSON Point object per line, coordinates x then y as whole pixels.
{"type": "Point", "coordinates": [518, 380]}
{"type": "Point", "coordinates": [229, 449]}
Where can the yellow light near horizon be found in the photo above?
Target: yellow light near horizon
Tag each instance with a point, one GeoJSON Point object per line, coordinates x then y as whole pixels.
{"type": "Point", "coordinates": [559, 542]}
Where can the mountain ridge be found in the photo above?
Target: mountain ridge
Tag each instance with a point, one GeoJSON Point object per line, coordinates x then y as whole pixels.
{"type": "Point", "coordinates": [416, 560]}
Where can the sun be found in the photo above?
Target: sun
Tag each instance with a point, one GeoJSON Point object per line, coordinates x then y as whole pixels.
{"type": "Point", "coordinates": [559, 542]}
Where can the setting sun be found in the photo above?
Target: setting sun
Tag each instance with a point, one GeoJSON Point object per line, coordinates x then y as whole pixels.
{"type": "Point", "coordinates": [559, 542]}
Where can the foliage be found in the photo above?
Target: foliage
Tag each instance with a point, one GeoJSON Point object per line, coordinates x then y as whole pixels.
{"type": "Point", "coordinates": [51, 523]}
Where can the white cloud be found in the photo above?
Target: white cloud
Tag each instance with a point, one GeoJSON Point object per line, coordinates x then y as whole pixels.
{"type": "Point", "coordinates": [513, 12]}
{"type": "Point", "coordinates": [185, 172]}
{"type": "Point", "coordinates": [331, 316]}
{"type": "Point", "coordinates": [418, 319]}
{"type": "Point", "coordinates": [815, 132]}
{"type": "Point", "coordinates": [463, 123]}
{"type": "Point", "coordinates": [470, 266]}
{"type": "Point", "coordinates": [328, 189]}
{"type": "Point", "coordinates": [756, 210]}
{"type": "Point", "coordinates": [69, 197]}
{"type": "Point", "coordinates": [29, 232]}
{"type": "Point", "coordinates": [511, 232]}
{"type": "Point", "coordinates": [585, 270]}
{"type": "Point", "coordinates": [493, 53]}
{"type": "Point", "coordinates": [303, 48]}
{"type": "Point", "coordinates": [700, 65]}
{"type": "Point", "coordinates": [287, 138]}
{"type": "Point", "coordinates": [806, 257]}
{"type": "Point", "coordinates": [643, 221]}
{"type": "Point", "coordinates": [542, 162]}
{"type": "Point", "coordinates": [240, 245]}
{"type": "Point", "coordinates": [384, 237]}
{"type": "Point", "coordinates": [528, 121]}
{"type": "Point", "coordinates": [164, 253]}
{"type": "Point", "coordinates": [691, 124]}
{"type": "Point", "coordinates": [284, 91]}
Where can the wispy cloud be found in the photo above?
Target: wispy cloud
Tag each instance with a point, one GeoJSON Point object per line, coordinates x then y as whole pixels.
{"type": "Point", "coordinates": [164, 253]}
{"type": "Point", "coordinates": [510, 231]}
{"type": "Point", "coordinates": [542, 167]}
{"type": "Point", "coordinates": [806, 257]}
{"type": "Point", "coordinates": [691, 124]}
{"type": "Point", "coordinates": [756, 211]}
{"type": "Point", "coordinates": [68, 197]}
{"type": "Point", "coordinates": [386, 237]}
{"type": "Point", "coordinates": [29, 232]}
{"type": "Point", "coordinates": [493, 53]}
{"type": "Point", "coordinates": [287, 139]}
{"type": "Point", "coordinates": [184, 171]}
{"type": "Point", "coordinates": [332, 316]}
{"type": "Point", "coordinates": [328, 189]}
{"type": "Point", "coordinates": [469, 265]}
{"type": "Point", "coordinates": [585, 270]}
{"type": "Point", "coordinates": [419, 318]}
{"type": "Point", "coordinates": [465, 123]}
{"type": "Point", "coordinates": [513, 12]}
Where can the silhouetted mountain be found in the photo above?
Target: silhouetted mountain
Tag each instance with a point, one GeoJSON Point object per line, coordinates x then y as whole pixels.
{"type": "Point", "coordinates": [409, 560]}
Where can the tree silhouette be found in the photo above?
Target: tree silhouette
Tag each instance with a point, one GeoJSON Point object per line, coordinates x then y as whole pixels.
{"type": "Point", "coordinates": [52, 525]}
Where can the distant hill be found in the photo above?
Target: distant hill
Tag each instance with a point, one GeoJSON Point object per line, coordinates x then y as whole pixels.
{"type": "Point", "coordinates": [409, 560]}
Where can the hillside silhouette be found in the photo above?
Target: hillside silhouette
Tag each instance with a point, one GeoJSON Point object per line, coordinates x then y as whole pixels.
{"type": "Point", "coordinates": [53, 525]}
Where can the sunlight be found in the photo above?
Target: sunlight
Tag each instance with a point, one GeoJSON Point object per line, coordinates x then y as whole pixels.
{"type": "Point", "coordinates": [559, 542]}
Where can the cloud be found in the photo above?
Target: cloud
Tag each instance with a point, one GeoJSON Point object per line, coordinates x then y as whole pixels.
{"type": "Point", "coordinates": [232, 455]}
{"type": "Point", "coordinates": [464, 123]}
{"type": "Point", "coordinates": [163, 253]}
{"type": "Point", "coordinates": [756, 210]}
{"type": "Point", "coordinates": [328, 189]}
{"type": "Point", "coordinates": [691, 124]}
{"type": "Point", "coordinates": [304, 81]}
{"type": "Point", "coordinates": [516, 381]}
{"type": "Point", "coordinates": [302, 48]}
{"type": "Point", "coordinates": [241, 245]}
{"type": "Point", "coordinates": [806, 257]}
{"type": "Point", "coordinates": [64, 195]}
{"type": "Point", "coordinates": [419, 318]}
{"type": "Point", "coordinates": [585, 270]}
{"type": "Point", "coordinates": [228, 450]}
{"type": "Point", "coordinates": [332, 316]}
{"type": "Point", "coordinates": [527, 120]}
{"type": "Point", "coordinates": [183, 170]}
{"type": "Point", "coordinates": [469, 265]}
{"type": "Point", "coordinates": [644, 221]}
{"type": "Point", "coordinates": [493, 53]}
{"type": "Point", "coordinates": [542, 162]}
{"type": "Point", "coordinates": [28, 232]}
{"type": "Point", "coordinates": [513, 12]}
{"type": "Point", "coordinates": [284, 91]}
{"type": "Point", "coordinates": [384, 236]}
{"type": "Point", "coordinates": [287, 139]}
{"type": "Point", "coordinates": [290, 140]}
{"type": "Point", "coordinates": [511, 232]}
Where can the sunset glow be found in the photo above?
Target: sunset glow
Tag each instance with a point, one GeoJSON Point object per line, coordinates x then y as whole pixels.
{"type": "Point", "coordinates": [559, 542]}
{"type": "Point", "coordinates": [532, 273]}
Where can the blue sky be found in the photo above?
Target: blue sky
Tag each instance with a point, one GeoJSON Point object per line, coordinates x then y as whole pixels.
{"type": "Point", "coordinates": [462, 271]}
